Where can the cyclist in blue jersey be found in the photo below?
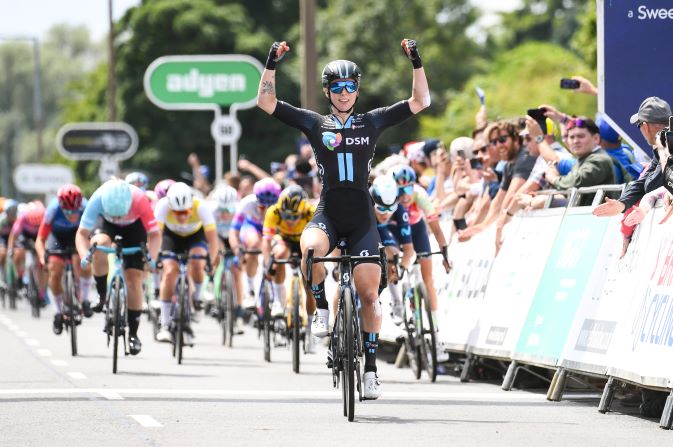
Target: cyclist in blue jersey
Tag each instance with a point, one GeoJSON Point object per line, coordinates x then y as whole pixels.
{"type": "Point", "coordinates": [344, 143]}
{"type": "Point", "coordinates": [57, 232]}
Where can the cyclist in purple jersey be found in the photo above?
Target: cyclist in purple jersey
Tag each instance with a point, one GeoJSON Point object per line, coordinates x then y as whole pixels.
{"type": "Point", "coordinates": [343, 143]}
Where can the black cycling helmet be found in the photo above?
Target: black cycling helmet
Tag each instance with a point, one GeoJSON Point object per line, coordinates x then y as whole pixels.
{"type": "Point", "coordinates": [292, 199]}
{"type": "Point", "coordinates": [340, 69]}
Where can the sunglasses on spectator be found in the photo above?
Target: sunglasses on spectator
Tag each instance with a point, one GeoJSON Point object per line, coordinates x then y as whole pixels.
{"type": "Point", "coordinates": [640, 123]}
{"type": "Point", "coordinates": [386, 209]}
{"type": "Point", "coordinates": [500, 139]}
{"type": "Point", "coordinates": [409, 189]}
{"type": "Point", "coordinates": [339, 86]}
{"type": "Point", "coordinates": [576, 122]}
{"type": "Point", "coordinates": [289, 216]}
{"type": "Point", "coordinates": [182, 212]}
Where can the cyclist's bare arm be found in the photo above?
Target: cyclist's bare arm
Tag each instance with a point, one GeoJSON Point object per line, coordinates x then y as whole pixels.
{"type": "Point", "coordinates": [266, 94]}
{"type": "Point", "coordinates": [420, 92]}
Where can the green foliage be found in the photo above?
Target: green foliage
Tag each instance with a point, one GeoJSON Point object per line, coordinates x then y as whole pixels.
{"type": "Point", "coordinates": [584, 41]}
{"type": "Point", "coordinates": [520, 79]}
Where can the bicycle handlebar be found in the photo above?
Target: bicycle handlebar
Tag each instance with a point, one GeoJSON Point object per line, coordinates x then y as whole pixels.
{"type": "Point", "coordinates": [184, 258]}
{"type": "Point", "coordinates": [380, 258]}
{"type": "Point", "coordinates": [116, 250]}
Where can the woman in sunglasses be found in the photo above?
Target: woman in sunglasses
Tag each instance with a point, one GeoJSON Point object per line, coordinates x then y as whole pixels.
{"type": "Point", "coordinates": [344, 143]}
{"type": "Point", "coordinates": [417, 204]}
{"type": "Point", "coordinates": [188, 226]}
{"type": "Point", "coordinates": [388, 214]}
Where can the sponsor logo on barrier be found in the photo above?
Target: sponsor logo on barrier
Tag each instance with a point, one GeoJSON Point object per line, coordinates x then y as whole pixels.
{"type": "Point", "coordinates": [496, 335]}
{"type": "Point", "coordinates": [595, 336]}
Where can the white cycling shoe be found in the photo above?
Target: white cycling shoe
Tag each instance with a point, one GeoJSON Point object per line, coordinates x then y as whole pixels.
{"type": "Point", "coordinates": [320, 323]}
{"type": "Point", "coordinates": [164, 335]}
{"type": "Point", "coordinates": [277, 309]}
{"type": "Point", "coordinates": [372, 386]}
{"type": "Point", "coordinates": [311, 344]}
{"type": "Point", "coordinates": [442, 353]}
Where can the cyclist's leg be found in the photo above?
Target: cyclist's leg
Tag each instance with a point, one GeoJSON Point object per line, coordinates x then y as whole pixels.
{"type": "Point", "coordinates": [251, 239]}
{"type": "Point", "coordinates": [3, 257]}
{"type": "Point", "coordinates": [99, 266]}
{"type": "Point", "coordinates": [134, 235]}
{"type": "Point", "coordinates": [280, 250]}
{"type": "Point", "coordinates": [55, 269]}
{"type": "Point", "coordinates": [419, 235]}
{"type": "Point", "coordinates": [19, 259]}
{"type": "Point", "coordinates": [169, 276]}
{"type": "Point", "coordinates": [196, 245]}
{"type": "Point", "coordinates": [319, 235]}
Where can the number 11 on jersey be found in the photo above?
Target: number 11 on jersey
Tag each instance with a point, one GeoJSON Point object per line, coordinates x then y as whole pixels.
{"type": "Point", "coordinates": [345, 166]}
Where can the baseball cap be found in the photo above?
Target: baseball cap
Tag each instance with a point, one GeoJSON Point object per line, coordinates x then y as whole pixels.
{"type": "Point", "coordinates": [414, 151]}
{"type": "Point", "coordinates": [652, 110]}
{"type": "Point", "coordinates": [462, 143]}
{"type": "Point", "coordinates": [607, 133]}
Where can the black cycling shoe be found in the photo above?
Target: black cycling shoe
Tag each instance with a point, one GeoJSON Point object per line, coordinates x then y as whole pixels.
{"type": "Point", "coordinates": [198, 305]}
{"type": "Point", "coordinates": [134, 345]}
{"type": "Point", "coordinates": [42, 303]}
{"type": "Point", "coordinates": [58, 324]}
{"type": "Point", "coordinates": [86, 309]}
{"type": "Point", "coordinates": [98, 308]}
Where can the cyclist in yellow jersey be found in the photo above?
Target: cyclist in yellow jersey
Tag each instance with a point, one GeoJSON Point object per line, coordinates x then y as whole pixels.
{"type": "Point", "coordinates": [188, 226]}
{"type": "Point", "coordinates": [283, 225]}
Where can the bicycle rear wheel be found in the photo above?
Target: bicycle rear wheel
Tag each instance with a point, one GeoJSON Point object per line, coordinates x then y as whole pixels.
{"type": "Point", "coordinates": [266, 302]}
{"type": "Point", "coordinates": [229, 307]}
{"type": "Point", "coordinates": [34, 295]}
{"type": "Point", "coordinates": [181, 311]}
{"type": "Point", "coordinates": [116, 323]}
{"type": "Point", "coordinates": [349, 353]}
{"type": "Point", "coordinates": [429, 341]}
{"type": "Point", "coordinates": [72, 299]}
{"type": "Point", "coordinates": [296, 324]}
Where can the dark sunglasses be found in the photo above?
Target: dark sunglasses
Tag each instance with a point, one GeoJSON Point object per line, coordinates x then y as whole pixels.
{"type": "Point", "coordinates": [182, 212]}
{"type": "Point", "coordinates": [386, 209]}
{"type": "Point", "coordinates": [289, 216]}
{"type": "Point", "coordinates": [339, 86]}
{"type": "Point", "coordinates": [500, 139]}
{"type": "Point", "coordinates": [639, 124]}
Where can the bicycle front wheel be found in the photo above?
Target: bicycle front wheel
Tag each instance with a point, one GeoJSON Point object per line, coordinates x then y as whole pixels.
{"type": "Point", "coordinates": [72, 299]}
{"type": "Point", "coordinates": [34, 294]}
{"type": "Point", "coordinates": [429, 345]}
{"type": "Point", "coordinates": [411, 346]}
{"type": "Point", "coordinates": [181, 312]}
{"type": "Point", "coordinates": [296, 324]}
{"type": "Point", "coordinates": [349, 358]}
{"type": "Point", "coordinates": [116, 323]}
{"type": "Point", "coordinates": [229, 307]}
{"type": "Point", "coordinates": [266, 302]}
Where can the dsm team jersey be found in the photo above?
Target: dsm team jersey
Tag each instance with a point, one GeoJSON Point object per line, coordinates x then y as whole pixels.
{"type": "Point", "coordinates": [344, 152]}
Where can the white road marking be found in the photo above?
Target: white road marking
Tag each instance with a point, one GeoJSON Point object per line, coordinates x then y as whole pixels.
{"type": "Point", "coordinates": [22, 334]}
{"type": "Point", "coordinates": [32, 342]}
{"type": "Point", "coordinates": [76, 375]}
{"type": "Point", "coordinates": [146, 420]}
{"type": "Point", "coordinates": [297, 394]}
{"type": "Point", "coordinates": [57, 362]}
{"type": "Point", "coordinates": [111, 395]}
{"type": "Point", "coordinates": [44, 352]}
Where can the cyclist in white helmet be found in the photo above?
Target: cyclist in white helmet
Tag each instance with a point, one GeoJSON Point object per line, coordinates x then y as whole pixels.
{"type": "Point", "coordinates": [188, 226]}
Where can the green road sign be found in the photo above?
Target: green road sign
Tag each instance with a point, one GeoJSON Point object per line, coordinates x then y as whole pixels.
{"type": "Point", "coordinates": [203, 82]}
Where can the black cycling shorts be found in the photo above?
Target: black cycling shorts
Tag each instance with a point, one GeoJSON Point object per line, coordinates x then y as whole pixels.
{"type": "Point", "coordinates": [358, 226]}
{"type": "Point", "coordinates": [62, 241]}
{"type": "Point", "coordinates": [182, 244]}
{"type": "Point", "coordinates": [419, 236]}
{"type": "Point", "coordinates": [133, 235]}
{"type": "Point", "coordinates": [387, 237]}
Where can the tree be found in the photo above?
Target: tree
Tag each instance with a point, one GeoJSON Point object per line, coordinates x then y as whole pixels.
{"type": "Point", "coordinates": [520, 79]}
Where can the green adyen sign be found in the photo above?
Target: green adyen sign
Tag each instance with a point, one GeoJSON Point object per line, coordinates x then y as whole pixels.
{"type": "Point", "coordinates": [203, 82]}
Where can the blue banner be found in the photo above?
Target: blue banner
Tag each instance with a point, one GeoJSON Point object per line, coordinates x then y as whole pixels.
{"type": "Point", "coordinates": [635, 60]}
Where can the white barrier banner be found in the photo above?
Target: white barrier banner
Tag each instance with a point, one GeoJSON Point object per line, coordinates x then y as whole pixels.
{"type": "Point", "coordinates": [460, 294]}
{"type": "Point", "coordinates": [604, 301]}
{"type": "Point", "coordinates": [514, 278]}
{"type": "Point", "coordinates": [643, 347]}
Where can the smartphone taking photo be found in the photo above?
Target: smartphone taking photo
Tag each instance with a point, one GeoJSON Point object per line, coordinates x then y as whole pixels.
{"type": "Point", "coordinates": [538, 115]}
{"type": "Point", "coordinates": [570, 84]}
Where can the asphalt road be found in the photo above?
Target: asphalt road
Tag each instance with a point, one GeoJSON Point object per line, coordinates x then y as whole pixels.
{"type": "Point", "coordinates": [232, 397]}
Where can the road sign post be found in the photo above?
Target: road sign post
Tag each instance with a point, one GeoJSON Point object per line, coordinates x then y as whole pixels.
{"type": "Point", "coordinates": [207, 82]}
{"type": "Point", "coordinates": [634, 52]}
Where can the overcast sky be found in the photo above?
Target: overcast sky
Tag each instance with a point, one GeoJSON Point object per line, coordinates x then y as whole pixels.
{"type": "Point", "coordinates": [34, 17]}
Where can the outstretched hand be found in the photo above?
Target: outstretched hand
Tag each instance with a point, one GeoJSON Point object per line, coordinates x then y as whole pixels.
{"type": "Point", "coordinates": [611, 207]}
{"type": "Point", "coordinates": [276, 53]}
{"type": "Point", "coordinates": [410, 49]}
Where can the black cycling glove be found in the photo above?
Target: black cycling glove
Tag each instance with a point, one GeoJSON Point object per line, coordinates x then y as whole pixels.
{"type": "Point", "coordinates": [273, 56]}
{"type": "Point", "coordinates": [413, 55]}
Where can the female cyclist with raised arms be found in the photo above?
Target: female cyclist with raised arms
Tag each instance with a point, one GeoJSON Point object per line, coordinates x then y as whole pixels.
{"type": "Point", "coordinates": [343, 143]}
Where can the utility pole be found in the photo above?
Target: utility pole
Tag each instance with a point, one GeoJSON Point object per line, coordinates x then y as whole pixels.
{"type": "Point", "coordinates": [37, 98]}
{"type": "Point", "coordinates": [308, 69]}
{"type": "Point", "coordinates": [112, 79]}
